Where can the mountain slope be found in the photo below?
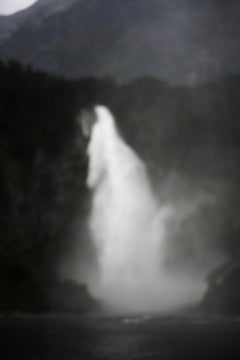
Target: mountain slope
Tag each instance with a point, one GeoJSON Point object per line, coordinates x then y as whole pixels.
{"type": "Point", "coordinates": [42, 8]}
{"type": "Point", "coordinates": [129, 38]}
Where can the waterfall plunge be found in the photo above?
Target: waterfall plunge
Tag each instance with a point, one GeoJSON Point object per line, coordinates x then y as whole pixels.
{"type": "Point", "coordinates": [127, 226]}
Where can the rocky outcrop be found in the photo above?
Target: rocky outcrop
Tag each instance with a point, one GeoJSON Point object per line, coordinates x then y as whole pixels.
{"type": "Point", "coordinates": [223, 294]}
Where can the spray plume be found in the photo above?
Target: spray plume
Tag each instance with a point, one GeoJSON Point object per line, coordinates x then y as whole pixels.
{"type": "Point", "coordinates": [128, 228]}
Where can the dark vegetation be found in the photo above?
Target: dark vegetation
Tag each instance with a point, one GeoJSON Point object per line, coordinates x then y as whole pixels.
{"type": "Point", "coordinates": [194, 131]}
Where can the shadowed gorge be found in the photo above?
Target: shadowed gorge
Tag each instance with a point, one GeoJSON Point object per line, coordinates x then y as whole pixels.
{"type": "Point", "coordinates": [192, 160]}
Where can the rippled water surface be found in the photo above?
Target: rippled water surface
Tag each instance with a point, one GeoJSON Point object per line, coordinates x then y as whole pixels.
{"type": "Point", "coordinates": [71, 338]}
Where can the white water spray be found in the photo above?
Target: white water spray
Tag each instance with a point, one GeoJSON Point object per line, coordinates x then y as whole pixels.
{"type": "Point", "coordinates": [127, 227]}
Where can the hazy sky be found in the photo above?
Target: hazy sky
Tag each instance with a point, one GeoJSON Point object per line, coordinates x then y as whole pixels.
{"type": "Point", "coordinates": [11, 6]}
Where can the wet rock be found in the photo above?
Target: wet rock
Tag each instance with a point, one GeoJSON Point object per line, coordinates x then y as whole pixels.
{"type": "Point", "coordinates": [223, 293]}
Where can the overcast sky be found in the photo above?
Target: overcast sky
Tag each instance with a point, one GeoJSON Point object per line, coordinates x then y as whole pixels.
{"type": "Point", "coordinates": [8, 7]}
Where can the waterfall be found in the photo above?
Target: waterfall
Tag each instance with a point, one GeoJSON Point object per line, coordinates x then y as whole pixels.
{"type": "Point", "coordinates": [127, 226]}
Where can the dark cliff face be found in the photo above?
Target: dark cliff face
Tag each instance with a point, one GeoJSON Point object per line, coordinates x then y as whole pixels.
{"type": "Point", "coordinates": [127, 38]}
{"type": "Point", "coordinates": [223, 294]}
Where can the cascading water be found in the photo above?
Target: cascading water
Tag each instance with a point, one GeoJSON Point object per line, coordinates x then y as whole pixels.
{"type": "Point", "coordinates": [127, 225]}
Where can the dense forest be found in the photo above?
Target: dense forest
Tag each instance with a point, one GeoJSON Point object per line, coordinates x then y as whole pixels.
{"type": "Point", "coordinates": [193, 132]}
